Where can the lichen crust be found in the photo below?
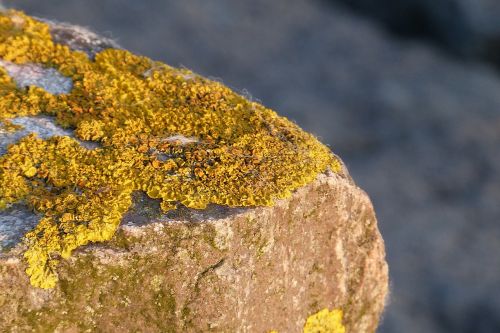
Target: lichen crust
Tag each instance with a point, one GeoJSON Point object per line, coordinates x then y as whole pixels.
{"type": "Point", "coordinates": [239, 152]}
{"type": "Point", "coordinates": [324, 321]}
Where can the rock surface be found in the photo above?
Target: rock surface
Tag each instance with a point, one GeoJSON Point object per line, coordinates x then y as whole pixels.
{"type": "Point", "coordinates": [250, 270]}
{"type": "Point", "coordinates": [218, 269]}
{"type": "Point", "coordinates": [418, 130]}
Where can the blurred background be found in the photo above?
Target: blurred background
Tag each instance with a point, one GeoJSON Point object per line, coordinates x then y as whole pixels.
{"type": "Point", "coordinates": [407, 92]}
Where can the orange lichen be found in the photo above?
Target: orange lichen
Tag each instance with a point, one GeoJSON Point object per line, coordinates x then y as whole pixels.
{"type": "Point", "coordinates": [242, 154]}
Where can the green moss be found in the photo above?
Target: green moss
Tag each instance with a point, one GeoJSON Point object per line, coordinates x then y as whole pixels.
{"type": "Point", "coordinates": [32, 319]}
{"type": "Point", "coordinates": [311, 213]}
{"type": "Point", "coordinates": [109, 287]}
{"type": "Point", "coordinates": [255, 238]}
{"type": "Point", "coordinates": [166, 303]}
{"type": "Point", "coordinates": [242, 154]}
{"type": "Point", "coordinates": [120, 240]}
{"type": "Point", "coordinates": [186, 317]}
{"type": "Point", "coordinates": [209, 236]}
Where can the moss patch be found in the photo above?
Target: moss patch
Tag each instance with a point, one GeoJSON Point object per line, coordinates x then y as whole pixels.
{"type": "Point", "coordinates": [243, 154]}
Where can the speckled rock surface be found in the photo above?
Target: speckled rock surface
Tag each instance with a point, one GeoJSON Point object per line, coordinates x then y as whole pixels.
{"type": "Point", "coordinates": [248, 270]}
{"type": "Point", "coordinates": [219, 269]}
{"type": "Point", "coordinates": [418, 129]}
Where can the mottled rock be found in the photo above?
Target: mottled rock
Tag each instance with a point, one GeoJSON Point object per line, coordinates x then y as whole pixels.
{"type": "Point", "coordinates": [418, 130]}
{"type": "Point", "coordinates": [80, 39]}
{"type": "Point", "coordinates": [219, 269]}
{"type": "Point", "coordinates": [225, 270]}
{"type": "Point", "coordinates": [48, 79]}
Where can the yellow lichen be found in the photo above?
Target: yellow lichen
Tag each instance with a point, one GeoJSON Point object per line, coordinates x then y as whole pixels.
{"type": "Point", "coordinates": [239, 153]}
{"type": "Point", "coordinates": [325, 321]}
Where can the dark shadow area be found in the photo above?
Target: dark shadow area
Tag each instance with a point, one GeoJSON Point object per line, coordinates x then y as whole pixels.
{"type": "Point", "coordinates": [146, 210]}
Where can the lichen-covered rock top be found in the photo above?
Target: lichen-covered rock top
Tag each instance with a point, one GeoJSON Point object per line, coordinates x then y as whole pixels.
{"type": "Point", "coordinates": [167, 132]}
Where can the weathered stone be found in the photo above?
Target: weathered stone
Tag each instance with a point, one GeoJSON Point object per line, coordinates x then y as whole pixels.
{"type": "Point", "coordinates": [226, 270]}
{"type": "Point", "coordinates": [419, 130]}
{"type": "Point", "coordinates": [218, 269]}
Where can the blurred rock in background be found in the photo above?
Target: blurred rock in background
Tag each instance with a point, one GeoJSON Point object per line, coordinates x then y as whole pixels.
{"type": "Point", "coordinates": [418, 128]}
{"type": "Point", "coordinates": [469, 28]}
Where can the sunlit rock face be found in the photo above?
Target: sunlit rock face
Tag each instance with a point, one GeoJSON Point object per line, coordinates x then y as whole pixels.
{"type": "Point", "coordinates": [136, 196]}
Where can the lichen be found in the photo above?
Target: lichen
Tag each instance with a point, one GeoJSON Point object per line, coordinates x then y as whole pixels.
{"type": "Point", "coordinates": [241, 154]}
{"type": "Point", "coordinates": [324, 321]}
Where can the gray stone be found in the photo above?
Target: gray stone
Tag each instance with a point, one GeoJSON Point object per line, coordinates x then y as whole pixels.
{"type": "Point", "coordinates": [15, 222]}
{"type": "Point", "coordinates": [48, 79]}
{"type": "Point", "coordinates": [43, 126]}
{"type": "Point", "coordinates": [79, 38]}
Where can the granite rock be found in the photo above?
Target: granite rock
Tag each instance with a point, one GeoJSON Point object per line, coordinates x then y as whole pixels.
{"type": "Point", "coordinates": [218, 269]}
{"type": "Point", "coordinates": [223, 270]}
{"type": "Point", "coordinates": [418, 130]}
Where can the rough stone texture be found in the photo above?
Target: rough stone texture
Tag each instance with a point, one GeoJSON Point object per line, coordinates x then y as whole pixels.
{"type": "Point", "coordinates": [15, 222]}
{"type": "Point", "coordinates": [33, 75]}
{"type": "Point", "coordinates": [43, 126]}
{"type": "Point", "coordinates": [248, 270]}
{"type": "Point", "coordinates": [220, 269]}
{"type": "Point", "coordinates": [418, 130]}
{"type": "Point", "coordinates": [79, 38]}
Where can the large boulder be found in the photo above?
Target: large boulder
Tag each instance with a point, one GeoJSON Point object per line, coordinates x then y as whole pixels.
{"type": "Point", "coordinates": [419, 130]}
{"type": "Point", "coordinates": [311, 259]}
{"type": "Point", "coordinates": [220, 270]}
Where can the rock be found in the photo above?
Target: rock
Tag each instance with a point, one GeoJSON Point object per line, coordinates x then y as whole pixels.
{"type": "Point", "coordinates": [250, 270]}
{"type": "Point", "coordinates": [418, 130]}
{"type": "Point", "coordinates": [315, 248]}
{"type": "Point", "coordinates": [469, 28]}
